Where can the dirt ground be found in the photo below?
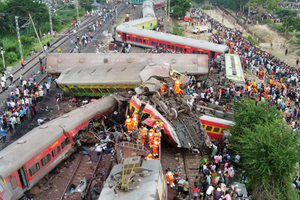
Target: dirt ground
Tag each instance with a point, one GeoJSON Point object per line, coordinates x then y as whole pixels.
{"type": "Point", "coordinates": [264, 32]}
{"type": "Point", "coordinates": [187, 32]}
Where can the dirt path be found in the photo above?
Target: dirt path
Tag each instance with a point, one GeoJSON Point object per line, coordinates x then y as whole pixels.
{"type": "Point", "coordinates": [264, 32]}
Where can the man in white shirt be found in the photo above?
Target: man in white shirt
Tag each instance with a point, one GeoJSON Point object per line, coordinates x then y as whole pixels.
{"type": "Point", "coordinates": [209, 190]}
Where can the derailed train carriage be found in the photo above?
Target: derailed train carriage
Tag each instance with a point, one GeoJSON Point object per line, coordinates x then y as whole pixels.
{"type": "Point", "coordinates": [192, 64]}
{"type": "Point", "coordinates": [107, 79]}
{"type": "Point", "coordinates": [26, 161]}
{"type": "Point", "coordinates": [135, 178]}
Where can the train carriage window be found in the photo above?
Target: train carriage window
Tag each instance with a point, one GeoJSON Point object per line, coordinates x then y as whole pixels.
{"type": "Point", "coordinates": [65, 143]}
{"type": "Point", "coordinates": [37, 166]}
{"type": "Point", "coordinates": [81, 90]}
{"type": "Point", "coordinates": [147, 41]}
{"type": "Point", "coordinates": [96, 90]}
{"type": "Point", "coordinates": [53, 153]}
{"type": "Point", "coordinates": [203, 53]}
{"type": "Point", "coordinates": [34, 169]}
{"type": "Point", "coordinates": [196, 52]}
{"type": "Point", "coordinates": [46, 159]}
{"type": "Point", "coordinates": [138, 40]}
{"type": "Point", "coordinates": [216, 129]}
{"type": "Point", "coordinates": [13, 182]}
{"type": "Point", "coordinates": [112, 90]}
{"type": "Point", "coordinates": [89, 90]}
{"type": "Point", "coordinates": [131, 38]}
{"type": "Point", "coordinates": [209, 128]}
{"type": "Point", "coordinates": [58, 149]}
{"type": "Point", "coordinates": [178, 48]}
{"type": "Point", "coordinates": [74, 90]}
{"type": "Point", "coordinates": [104, 90]}
{"type": "Point", "coordinates": [154, 43]}
{"type": "Point", "coordinates": [162, 45]}
{"type": "Point", "coordinates": [143, 27]}
{"type": "Point", "coordinates": [170, 47]}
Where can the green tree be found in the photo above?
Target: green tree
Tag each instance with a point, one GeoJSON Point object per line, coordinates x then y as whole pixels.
{"type": "Point", "coordinates": [270, 3]}
{"type": "Point", "coordinates": [179, 7]}
{"type": "Point", "coordinates": [38, 11]}
{"type": "Point", "coordinates": [231, 4]}
{"type": "Point", "coordinates": [283, 12]}
{"type": "Point", "coordinates": [86, 4]}
{"type": "Point", "coordinates": [268, 150]}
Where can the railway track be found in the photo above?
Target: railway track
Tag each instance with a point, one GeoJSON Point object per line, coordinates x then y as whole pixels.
{"type": "Point", "coordinates": [95, 173]}
{"type": "Point", "coordinates": [84, 169]}
{"type": "Point", "coordinates": [189, 166]}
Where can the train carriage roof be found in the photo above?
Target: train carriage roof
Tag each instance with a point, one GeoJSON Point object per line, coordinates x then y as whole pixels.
{"type": "Point", "coordinates": [18, 153]}
{"type": "Point", "coordinates": [108, 75]}
{"type": "Point", "coordinates": [123, 75]}
{"type": "Point", "coordinates": [126, 28]}
{"type": "Point", "coordinates": [147, 186]}
{"type": "Point", "coordinates": [140, 21]}
{"type": "Point", "coordinates": [192, 63]}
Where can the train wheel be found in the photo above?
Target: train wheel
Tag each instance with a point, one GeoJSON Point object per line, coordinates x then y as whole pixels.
{"type": "Point", "coordinates": [156, 96]}
{"type": "Point", "coordinates": [173, 114]}
{"type": "Point", "coordinates": [187, 109]}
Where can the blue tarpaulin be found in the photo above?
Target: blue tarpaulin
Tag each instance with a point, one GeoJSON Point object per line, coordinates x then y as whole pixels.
{"type": "Point", "coordinates": [96, 4]}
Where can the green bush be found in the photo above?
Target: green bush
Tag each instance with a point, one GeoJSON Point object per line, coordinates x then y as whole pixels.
{"type": "Point", "coordinates": [207, 7]}
{"type": "Point", "coordinates": [250, 39]}
{"type": "Point", "coordinates": [177, 30]}
{"type": "Point", "coordinates": [26, 40]}
{"type": "Point", "coordinates": [268, 21]}
{"type": "Point", "coordinates": [11, 57]}
{"type": "Point", "coordinates": [278, 27]}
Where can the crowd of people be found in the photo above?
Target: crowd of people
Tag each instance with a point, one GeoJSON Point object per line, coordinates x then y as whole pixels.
{"type": "Point", "coordinates": [21, 102]}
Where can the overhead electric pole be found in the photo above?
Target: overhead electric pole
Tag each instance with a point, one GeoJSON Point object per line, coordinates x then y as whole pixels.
{"type": "Point", "coordinates": [169, 10]}
{"type": "Point", "coordinates": [77, 12]}
{"type": "Point", "coordinates": [19, 38]}
{"type": "Point", "coordinates": [2, 53]}
{"type": "Point", "coordinates": [36, 32]}
{"type": "Point", "coordinates": [50, 17]}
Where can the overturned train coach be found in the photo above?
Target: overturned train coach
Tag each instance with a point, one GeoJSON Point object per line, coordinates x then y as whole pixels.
{"type": "Point", "coordinates": [25, 162]}
{"type": "Point", "coordinates": [181, 125]}
{"type": "Point", "coordinates": [104, 79]}
{"type": "Point", "coordinates": [192, 64]}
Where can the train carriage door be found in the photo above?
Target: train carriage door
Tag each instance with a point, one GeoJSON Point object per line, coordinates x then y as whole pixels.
{"type": "Point", "coordinates": [22, 177]}
{"type": "Point", "coordinates": [124, 36]}
{"type": "Point", "coordinates": [212, 55]}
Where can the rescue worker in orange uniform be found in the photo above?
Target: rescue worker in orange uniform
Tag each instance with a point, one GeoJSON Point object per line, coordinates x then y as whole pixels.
{"type": "Point", "coordinates": [155, 146]}
{"type": "Point", "coordinates": [135, 117]}
{"type": "Point", "coordinates": [157, 135]}
{"type": "Point", "coordinates": [156, 126]}
{"type": "Point", "coordinates": [143, 132]}
{"type": "Point", "coordinates": [170, 178]}
{"type": "Point", "coordinates": [151, 138]}
{"type": "Point", "coordinates": [128, 124]}
{"type": "Point", "coordinates": [149, 157]}
{"type": "Point", "coordinates": [135, 125]}
{"type": "Point", "coordinates": [177, 86]}
{"type": "Point", "coordinates": [163, 89]}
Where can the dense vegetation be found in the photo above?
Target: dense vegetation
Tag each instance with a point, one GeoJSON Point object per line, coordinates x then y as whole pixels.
{"type": "Point", "coordinates": [268, 150]}
{"type": "Point", "coordinates": [179, 8]}
{"type": "Point", "coordinates": [61, 19]}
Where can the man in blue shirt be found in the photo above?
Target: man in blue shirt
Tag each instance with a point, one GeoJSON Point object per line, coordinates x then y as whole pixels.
{"type": "Point", "coordinates": [3, 132]}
